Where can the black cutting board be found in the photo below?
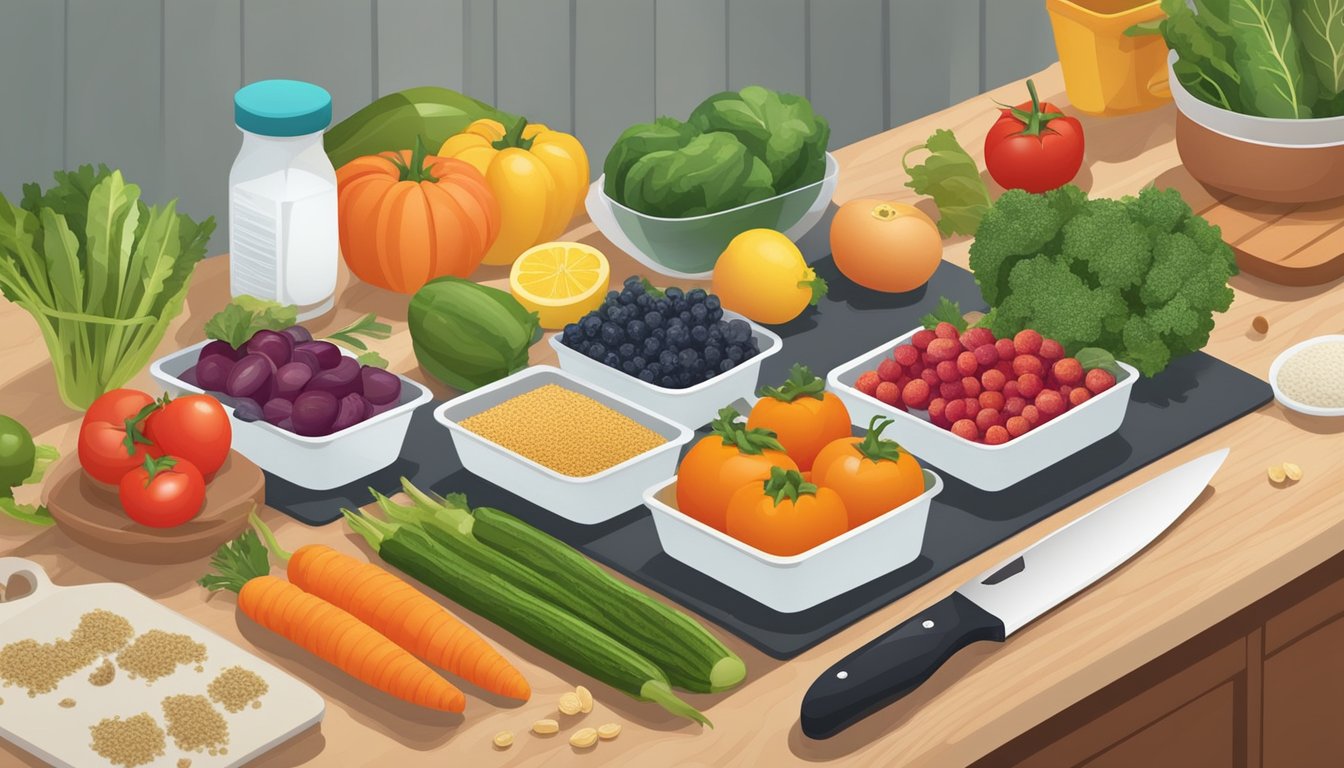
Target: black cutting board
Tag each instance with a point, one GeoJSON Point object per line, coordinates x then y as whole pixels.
{"type": "Point", "coordinates": [1194, 396]}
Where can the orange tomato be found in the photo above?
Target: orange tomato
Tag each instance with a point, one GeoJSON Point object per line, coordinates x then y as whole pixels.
{"type": "Point", "coordinates": [885, 246]}
{"type": "Point", "coordinates": [873, 476]}
{"type": "Point", "coordinates": [721, 463]}
{"type": "Point", "coordinates": [786, 515]}
{"type": "Point", "coordinates": [802, 414]}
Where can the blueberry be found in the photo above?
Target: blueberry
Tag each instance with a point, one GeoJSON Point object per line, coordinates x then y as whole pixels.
{"type": "Point", "coordinates": [726, 366]}
{"type": "Point", "coordinates": [612, 335]}
{"type": "Point", "coordinates": [700, 334]}
{"type": "Point", "coordinates": [685, 316]}
{"type": "Point", "coordinates": [699, 313]}
{"type": "Point", "coordinates": [636, 330]}
{"type": "Point", "coordinates": [612, 360]}
{"type": "Point", "coordinates": [678, 335]}
{"type": "Point", "coordinates": [643, 301]}
{"type": "Point", "coordinates": [652, 347]}
{"type": "Point", "coordinates": [714, 335]}
{"type": "Point", "coordinates": [683, 379]}
{"type": "Point", "coordinates": [658, 333]}
{"type": "Point", "coordinates": [627, 299]}
{"type": "Point", "coordinates": [680, 305]}
{"type": "Point", "coordinates": [634, 284]}
{"type": "Point", "coordinates": [653, 319]}
{"type": "Point", "coordinates": [640, 362]}
{"type": "Point", "coordinates": [712, 356]}
{"type": "Point", "coordinates": [738, 331]}
{"type": "Point", "coordinates": [696, 295]}
{"type": "Point", "coordinates": [714, 316]}
{"type": "Point", "coordinates": [613, 297]}
{"type": "Point", "coordinates": [674, 293]}
{"type": "Point", "coordinates": [596, 350]}
{"type": "Point", "coordinates": [592, 326]}
{"type": "Point", "coordinates": [687, 358]}
{"type": "Point", "coordinates": [573, 334]}
{"type": "Point", "coordinates": [734, 352]}
{"type": "Point", "coordinates": [629, 368]}
{"type": "Point", "coordinates": [655, 368]}
{"type": "Point", "coordinates": [667, 359]}
{"type": "Point", "coordinates": [646, 375]}
{"type": "Point", "coordinates": [698, 369]}
{"type": "Point", "coordinates": [712, 302]}
{"type": "Point", "coordinates": [626, 351]}
{"type": "Point", "coordinates": [667, 381]}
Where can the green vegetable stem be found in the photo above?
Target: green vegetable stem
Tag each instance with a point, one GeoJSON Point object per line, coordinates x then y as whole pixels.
{"type": "Point", "coordinates": [21, 463]}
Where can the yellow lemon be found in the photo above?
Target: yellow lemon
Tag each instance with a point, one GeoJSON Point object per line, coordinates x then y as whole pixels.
{"type": "Point", "coordinates": [560, 281]}
{"type": "Point", "coordinates": [763, 276]}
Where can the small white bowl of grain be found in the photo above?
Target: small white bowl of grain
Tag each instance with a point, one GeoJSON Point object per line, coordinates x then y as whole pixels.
{"type": "Point", "coordinates": [1308, 377]}
{"type": "Point", "coordinates": [565, 445]}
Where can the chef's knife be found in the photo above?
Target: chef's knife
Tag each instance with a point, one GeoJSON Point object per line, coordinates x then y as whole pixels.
{"type": "Point", "coordinates": [1003, 599]}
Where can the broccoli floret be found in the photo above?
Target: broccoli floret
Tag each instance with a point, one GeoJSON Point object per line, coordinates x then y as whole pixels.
{"type": "Point", "coordinates": [1143, 347]}
{"type": "Point", "coordinates": [1045, 295]}
{"type": "Point", "coordinates": [1159, 210]}
{"type": "Point", "coordinates": [1107, 245]}
{"type": "Point", "coordinates": [1017, 226]}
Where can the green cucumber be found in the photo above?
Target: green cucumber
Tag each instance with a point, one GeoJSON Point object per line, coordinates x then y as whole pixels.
{"type": "Point", "coordinates": [692, 658]}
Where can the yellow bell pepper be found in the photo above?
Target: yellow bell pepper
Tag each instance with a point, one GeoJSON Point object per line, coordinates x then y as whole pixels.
{"type": "Point", "coordinates": [539, 177]}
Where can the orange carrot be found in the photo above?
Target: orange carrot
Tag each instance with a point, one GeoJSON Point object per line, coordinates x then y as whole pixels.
{"type": "Point", "coordinates": [325, 630]}
{"type": "Point", "coordinates": [406, 616]}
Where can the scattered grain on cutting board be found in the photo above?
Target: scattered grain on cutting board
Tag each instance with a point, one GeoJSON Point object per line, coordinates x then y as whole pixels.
{"type": "Point", "coordinates": [66, 703]}
{"type": "Point", "coordinates": [40, 667]}
{"type": "Point", "coordinates": [545, 727]}
{"type": "Point", "coordinates": [137, 740]}
{"type": "Point", "coordinates": [184, 762]}
{"type": "Point", "coordinates": [156, 654]}
{"type": "Point", "coordinates": [1315, 375]}
{"type": "Point", "coordinates": [609, 731]}
{"type": "Point", "coordinates": [104, 674]}
{"type": "Point", "coordinates": [583, 738]}
{"type": "Point", "coordinates": [564, 430]}
{"type": "Point", "coordinates": [236, 688]}
{"type": "Point", "coordinates": [504, 739]}
{"type": "Point", "coordinates": [195, 725]}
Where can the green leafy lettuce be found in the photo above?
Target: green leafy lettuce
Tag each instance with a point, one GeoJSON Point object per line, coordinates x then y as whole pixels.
{"type": "Point", "coordinates": [713, 172]}
{"type": "Point", "coordinates": [245, 315]}
{"type": "Point", "coordinates": [101, 273]}
{"type": "Point", "coordinates": [952, 179]}
{"type": "Point", "coordinates": [778, 128]}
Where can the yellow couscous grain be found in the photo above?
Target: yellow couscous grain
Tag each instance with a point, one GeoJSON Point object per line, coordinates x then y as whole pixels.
{"type": "Point", "coordinates": [157, 653]}
{"type": "Point", "coordinates": [1315, 375]}
{"type": "Point", "coordinates": [236, 688]}
{"type": "Point", "coordinates": [134, 741]}
{"type": "Point", "coordinates": [194, 724]}
{"type": "Point", "coordinates": [564, 430]}
{"type": "Point", "coordinates": [104, 674]}
{"type": "Point", "coordinates": [40, 667]}
{"type": "Point", "coordinates": [66, 703]}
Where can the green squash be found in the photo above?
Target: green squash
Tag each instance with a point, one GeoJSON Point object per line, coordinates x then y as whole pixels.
{"type": "Point", "coordinates": [468, 335]}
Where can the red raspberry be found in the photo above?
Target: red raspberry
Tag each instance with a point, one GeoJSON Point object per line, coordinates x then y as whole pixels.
{"type": "Point", "coordinates": [867, 383]}
{"type": "Point", "coordinates": [1099, 380]}
{"type": "Point", "coordinates": [906, 355]}
{"type": "Point", "coordinates": [937, 406]}
{"type": "Point", "coordinates": [1064, 390]}
{"type": "Point", "coordinates": [901, 382]}
{"type": "Point", "coordinates": [1006, 368]}
{"type": "Point", "coordinates": [955, 410]}
{"type": "Point", "coordinates": [986, 418]}
{"type": "Point", "coordinates": [966, 363]}
{"type": "Point", "coordinates": [945, 330]}
{"type": "Point", "coordinates": [927, 359]}
{"type": "Point", "coordinates": [993, 380]}
{"type": "Point", "coordinates": [1051, 350]}
{"type": "Point", "coordinates": [930, 376]}
{"type": "Point", "coordinates": [916, 394]}
{"type": "Point", "coordinates": [1028, 363]}
{"type": "Point", "coordinates": [996, 435]}
{"type": "Point", "coordinates": [991, 399]}
{"type": "Point", "coordinates": [1029, 385]}
{"type": "Point", "coordinates": [1078, 396]}
{"type": "Point", "coordinates": [1027, 342]}
{"type": "Point", "coordinates": [951, 390]}
{"type": "Point", "coordinates": [986, 356]}
{"type": "Point", "coordinates": [888, 393]}
{"type": "Point", "coordinates": [914, 369]}
{"type": "Point", "coordinates": [1032, 414]}
{"type": "Point", "coordinates": [1006, 349]}
{"type": "Point", "coordinates": [1067, 371]}
{"type": "Point", "coordinates": [975, 337]}
{"type": "Point", "coordinates": [941, 349]}
{"type": "Point", "coordinates": [971, 386]}
{"type": "Point", "coordinates": [1017, 426]}
{"type": "Point", "coordinates": [922, 338]}
{"type": "Point", "coordinates": [889, 370]}
{"type": "Point", "coordinates": [972, 407]}
{"type": "Point", "coordinates": [966, 430]}
{"type": "Point", "coordinates": [1013, 406]}
{"type": "Point", "coordinates": [947, 371]}
{"type": "Point", "coordinates": [1050, 404]}
{"type": "Point", "coordinates": [1012, 389]}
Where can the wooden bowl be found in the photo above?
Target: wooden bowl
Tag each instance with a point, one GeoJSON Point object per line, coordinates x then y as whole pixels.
{"type": "Point", "coordinates": [90, 513]}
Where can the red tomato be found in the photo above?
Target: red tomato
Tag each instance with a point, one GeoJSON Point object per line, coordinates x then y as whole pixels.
{"type": "Point", "coordinates": [106, 452]}
{"type": "Point", "coordinates": [165, 492]}
{"type": "Point", "coordinates": [194, 427]}
{"type": "Point", "coordinates": [1034, 146]}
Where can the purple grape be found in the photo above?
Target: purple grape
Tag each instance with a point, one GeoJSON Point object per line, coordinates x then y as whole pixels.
{"type": "Point", "coordinates": [251, 377]}
{"type": "Point", "coordinates": [328, 354]}
{"type": "Point", "coordinates": [291, 378]}
{"type": "Point", "coordinates": [313, 413]}
{"type": "Point", "coordinates": [212, 372]}
{"type": "Point", "coordinates": [306, 357]}
{"type": "Point", "coordinates": [277, 409]}
{"type": "Point", "coordinates": [189, 377]}
{"type": "Point", "coordinates": [287, 425]}
{"type": "Point", "coordinates": [352, 410]}
{"type": "Point", "coordinates": [247, 409]}
{"type": "Point", "coordinates": [340, 380]}
{"type": "Point", "coordinates": [298, 334]}
{"type": "Point", "coordinates": [379, 386]}
{"type": "Point", "coordinates": [218, 347]}
{"type": "Point", "coordinates": [273, 344]}
{"type": "Point", "coordinates": [375, 410]}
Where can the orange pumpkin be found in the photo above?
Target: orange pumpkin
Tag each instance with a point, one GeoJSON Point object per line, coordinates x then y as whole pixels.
{"type": "Point", "coordinates": [407, 218]}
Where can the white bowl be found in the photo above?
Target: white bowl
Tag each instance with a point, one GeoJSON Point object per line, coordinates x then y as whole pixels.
{"type": "Point", "coordinates": [987, 467]}
{"type": "Point", "coordinates": [586, 500]}
{"type": "Point", "coordinates": [316, 463]}
{"type": "Point", "coordinates": [684, 248]}
{"type": "Point", "coordinates": [798, 582]}
{"type": "Point", "coordinates": [1285, 400]}
{"type": "Point", "coordinates": [693, 406]}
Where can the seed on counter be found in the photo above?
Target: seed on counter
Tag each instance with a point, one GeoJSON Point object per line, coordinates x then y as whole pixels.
{"type": "Point", "coordinates": [156, 654]}
{"type": "Point", "coordinates": [569, 704]}
{"type": "Point", "coordinates": [609, 731]}
{"type": "Point", "coordinates": [504, 739]}
{"type": "Point", "coordinates": [137, 740]}
{"type": "Point", "coordinates": [104, 674]}
{"type": "Point", "coordinates": [545, 727]}
{"type": "Point", "coordinates": [1293, 471]}
{"type": "Point", "coordinates": [583, 738]}
{"type": "Point", "coordinates": [1260, 324]}
{"type": "Point", "coordinates": [66, 703]}
{"type": "Point", "coordinates": [1276, 474]}
{"type": "Point", "coordinates": [235, 688]}
{"type": "Point", "coordinates": [585, 699]}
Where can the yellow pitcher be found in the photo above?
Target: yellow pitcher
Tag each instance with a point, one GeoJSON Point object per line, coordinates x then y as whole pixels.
{"type": "Point", "coordinates": [1105, 72]}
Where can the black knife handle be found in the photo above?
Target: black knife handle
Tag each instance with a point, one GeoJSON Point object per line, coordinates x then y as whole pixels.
{"type": "Point", "coordinates": [894, 664]}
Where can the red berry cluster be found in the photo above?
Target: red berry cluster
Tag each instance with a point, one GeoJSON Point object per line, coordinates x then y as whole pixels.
{"type": "Point", "coordinates": [981, 388]}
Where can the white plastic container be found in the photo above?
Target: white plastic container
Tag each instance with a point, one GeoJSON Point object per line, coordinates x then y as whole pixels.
{"type": "Point", "coordinates": [987, 467]}
{"type": "Point", "coordinates": [795, 583]}
{"type": "Point", "coordinates": [1277, 366]}
{"type": "Point", "coordinates": [316, 463]}
{"type": "Point", "coordinates": [283, 238]}
{"type": "Point", "coordinates": [694, 406]}
{"type": "Point", "coordinates": [585, 500]}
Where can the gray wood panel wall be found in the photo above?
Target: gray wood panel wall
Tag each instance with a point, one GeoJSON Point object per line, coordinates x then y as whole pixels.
{"type": "Point", "coordinates": [147, 85]}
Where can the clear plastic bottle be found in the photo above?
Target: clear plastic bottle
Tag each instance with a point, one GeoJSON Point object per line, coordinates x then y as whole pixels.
{"type": "Point", "coordinates": [283, 238]}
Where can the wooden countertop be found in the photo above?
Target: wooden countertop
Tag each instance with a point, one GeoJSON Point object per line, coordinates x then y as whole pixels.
{"type": "Point", "coordinates": [1241, 541]}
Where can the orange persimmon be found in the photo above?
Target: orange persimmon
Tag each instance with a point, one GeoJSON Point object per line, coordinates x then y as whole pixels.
{"type": "Point", "coordinates": [872, 475]}
{"type": "Point", "coordinates": [723, 462]}
{"type": "Point", "coordinates": [786, 515]}
{"type": "Point", "coordinates": [802, 414]}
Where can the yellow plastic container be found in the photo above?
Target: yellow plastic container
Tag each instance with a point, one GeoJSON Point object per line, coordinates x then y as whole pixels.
{"type": "Point", "coordinates": [1105, 72]}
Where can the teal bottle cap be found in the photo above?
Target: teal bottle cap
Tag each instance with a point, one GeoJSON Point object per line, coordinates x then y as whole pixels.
{"type": "Point", "coordinates": [282, 108]}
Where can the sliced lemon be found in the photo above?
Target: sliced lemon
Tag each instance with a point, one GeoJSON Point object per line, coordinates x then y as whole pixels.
{"type": "Point", "coordinates": [560, 281]}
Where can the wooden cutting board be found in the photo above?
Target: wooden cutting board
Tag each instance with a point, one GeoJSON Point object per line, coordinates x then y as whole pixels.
{"type": "Point", "coordinates": [60, 735]}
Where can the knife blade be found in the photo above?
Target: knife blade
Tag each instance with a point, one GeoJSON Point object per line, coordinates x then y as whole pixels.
{"type": "Point", "coordinates": [1003, 599]}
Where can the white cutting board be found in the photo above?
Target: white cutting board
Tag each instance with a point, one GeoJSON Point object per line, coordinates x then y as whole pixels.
{"type": "Point", "coordinates": [61, 736]}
